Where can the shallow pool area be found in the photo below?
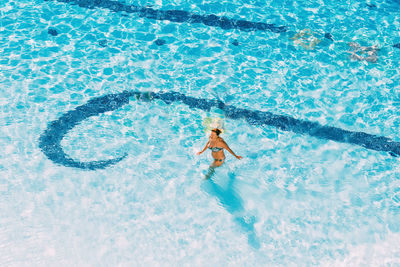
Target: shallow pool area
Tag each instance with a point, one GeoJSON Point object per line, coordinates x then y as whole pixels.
{"type": "Point", "coordinates": [103, 108]}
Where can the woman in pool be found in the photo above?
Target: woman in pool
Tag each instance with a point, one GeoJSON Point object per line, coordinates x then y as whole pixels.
{"type": "Point", "coordinates": [217, 144]}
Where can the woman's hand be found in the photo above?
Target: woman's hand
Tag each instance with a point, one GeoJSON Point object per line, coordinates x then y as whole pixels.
{"type": "Point", "coordinates": [204, 149]}
{"type": "Point", "coordinates": [239, 157]}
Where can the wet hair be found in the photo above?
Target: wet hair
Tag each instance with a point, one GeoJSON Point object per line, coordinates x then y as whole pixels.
{"type": "Point", "coordinates": [216, 130]}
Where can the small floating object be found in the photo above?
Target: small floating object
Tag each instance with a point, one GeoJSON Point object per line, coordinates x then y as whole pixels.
{"type": "Point", "coordinates": [235, 42]}
{"type": "Point", "coordinates": [306, 39]}
{"type": "Point", "coordinates": [328, 36]}
{"type": "Point", "coordinates": [160, 42]}
{"type": "Point", "coordinates": [52, 31]}
{"type": "Point", "coordinates": [103, 43]}
{"type": "Point", "coordinates": [397, 45]}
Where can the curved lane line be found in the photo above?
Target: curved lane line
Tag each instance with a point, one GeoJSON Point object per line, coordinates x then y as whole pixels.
{"type": "Point", "coordinates": [50, 140]}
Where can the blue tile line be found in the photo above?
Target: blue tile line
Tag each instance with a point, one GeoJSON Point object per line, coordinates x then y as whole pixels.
{"type": "Point", "coordinates": [185, 16]}
{"type": "Point", "coordinates": [179, 16]}
{"type": "Point", "coordinates": [50, 140]}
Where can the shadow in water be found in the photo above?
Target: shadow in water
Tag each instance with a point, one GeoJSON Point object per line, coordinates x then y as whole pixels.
{"type": "Point", "coordinates": [231, 201]}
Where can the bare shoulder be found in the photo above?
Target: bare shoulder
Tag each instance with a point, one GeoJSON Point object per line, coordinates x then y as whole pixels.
{"type": "Point", "coordinates": [222, 141]}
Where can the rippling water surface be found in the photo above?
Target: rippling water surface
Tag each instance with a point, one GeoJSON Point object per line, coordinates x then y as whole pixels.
{"type": "Point", "coordinates": [293, 200]}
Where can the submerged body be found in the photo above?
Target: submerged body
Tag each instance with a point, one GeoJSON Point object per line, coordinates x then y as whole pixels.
{"type": "Point", "coordinates": [367, 53]}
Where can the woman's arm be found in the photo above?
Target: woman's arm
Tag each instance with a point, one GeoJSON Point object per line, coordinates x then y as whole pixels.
{"type": "Point", "coordinates": [204, 149]}
{"type": "Point", "coordinates": [225, 145]}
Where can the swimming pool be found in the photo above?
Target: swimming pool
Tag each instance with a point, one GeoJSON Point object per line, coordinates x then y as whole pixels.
{"type": "Point", "coordinates": [102, 111]}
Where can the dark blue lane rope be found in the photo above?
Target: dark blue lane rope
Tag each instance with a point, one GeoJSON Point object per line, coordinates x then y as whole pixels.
{"type": "Point", "coordinates": [50, 140]}
{"type": "Point", "coordinates": [178, 16]}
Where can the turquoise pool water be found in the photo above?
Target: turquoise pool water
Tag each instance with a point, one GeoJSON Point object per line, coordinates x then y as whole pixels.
{"type": "Point", "coordinates": [294, 200]}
